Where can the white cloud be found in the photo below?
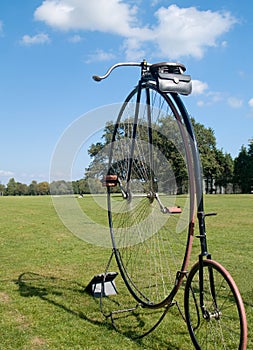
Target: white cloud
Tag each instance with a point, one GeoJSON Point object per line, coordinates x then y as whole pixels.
{"type": "Point", "coordinates": [6, 173]}
{"type": "Point", "coordinates": [224, 44]}
{"type": "Point", "coordinates": [112, 16]}
{"type": "Point", "coordinates": [189, 31]}
{"type": "Point", "coordinates": [178, 31]}
{"type": "Point", "coordinates": [36, 39]}
{"type": "Point", "coordinates": [251, 102]}
{"type": "Point", "coordinates": [235, 102]}
{"type": "Point", "coordinates": [133, 49]}
{"type": "Point", "coordinates": [155, 2]}
{"type": "Point", "coordinates": [75, 39]}
{"type": "Point", "coordinates": [212, 97]}
{"type": "Point", "coordinates": [100, 55]}
{"type": "Point", "coordinates": [1, 27]}
{"type": "Point", "coordinates": [215, 96]}
{"type": "Point", "coordinates": [201, 103]}
{"type": "Point", "coordinates": [198, 87]}
{"type": "Point", "coordinates": [209, 98]}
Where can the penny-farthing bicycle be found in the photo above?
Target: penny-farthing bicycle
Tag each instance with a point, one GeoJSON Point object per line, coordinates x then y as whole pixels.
{"type": "Point", "coordinates": [154, 188]}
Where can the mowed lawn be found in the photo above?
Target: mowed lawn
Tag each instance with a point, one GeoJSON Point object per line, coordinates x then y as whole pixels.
{"type": "Point", "coordinates": [45, 269]}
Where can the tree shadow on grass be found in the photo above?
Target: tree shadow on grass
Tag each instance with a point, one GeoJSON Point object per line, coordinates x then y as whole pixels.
{"type": "Point", "coordinates": [72, 297]}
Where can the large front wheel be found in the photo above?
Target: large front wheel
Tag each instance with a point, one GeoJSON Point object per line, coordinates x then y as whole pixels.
{"type": "Point", "coordinates": [214, 309]}
{"type": "Point", "coordinates": [151, 198]}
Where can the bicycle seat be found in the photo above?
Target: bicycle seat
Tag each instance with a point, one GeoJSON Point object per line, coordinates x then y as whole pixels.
{"type": "Point", "coordinates": [167, 67]}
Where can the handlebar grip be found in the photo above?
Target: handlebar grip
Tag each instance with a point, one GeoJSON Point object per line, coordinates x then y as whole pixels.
{"type": "Point", "coordinates": [96, 78]}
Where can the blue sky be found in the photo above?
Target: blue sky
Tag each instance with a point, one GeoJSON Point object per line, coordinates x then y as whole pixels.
{"type": "Point", "coordinates": [50, 49]}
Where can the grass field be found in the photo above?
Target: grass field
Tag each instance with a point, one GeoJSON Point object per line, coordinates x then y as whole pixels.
{"type": "Point", "coordinates": [48, 308]}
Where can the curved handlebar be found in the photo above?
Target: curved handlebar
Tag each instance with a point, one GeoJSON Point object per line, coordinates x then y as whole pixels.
{"type": "Point", "coordinates": [135, 64]}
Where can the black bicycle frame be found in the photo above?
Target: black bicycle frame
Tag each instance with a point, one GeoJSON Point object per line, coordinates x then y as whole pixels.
{"type": "Point", "coordinates": [200, 211]}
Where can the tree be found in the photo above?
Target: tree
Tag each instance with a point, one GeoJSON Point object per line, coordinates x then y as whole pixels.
{"type": "Point", "coordinates": [11, 187]}
{"type": "Point", "coordinates": [99, 155]}
{"type": "Point", "coordinates": [43, 188]}
{"type": "Point", "coordinates": [32, 189]}
{"type": "Point", "coordinates": [217, 166]}
{"type": "Point", "coordinates": [21, 189]}
{"type": "Point", "coordinates": [250, 153]}
{"type": "Point", "coordinates": [61, 187]}
{"type": "Point", "coordinates": [226, 168]}
{"type": "Point", "coordinates": [2, 189]}
{"type": "Point", "coordinates": [167, 139]}
{"type": "Point", "coordinates": [243, 169]}
{"type": "Point", "coordinates": [208, 153]}
{"type": "Point", "coordinates": [83, 186]}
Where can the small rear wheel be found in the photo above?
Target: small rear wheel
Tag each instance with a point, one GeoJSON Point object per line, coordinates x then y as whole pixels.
{"type": "Point", "coordinates": [221, 322]}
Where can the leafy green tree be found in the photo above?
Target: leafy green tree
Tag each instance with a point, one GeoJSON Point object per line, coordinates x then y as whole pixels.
{"type": "Point", "coordinates": [243, 169]}
{"type": "Point", "coordinates": [250, 153]}
{"type": "Point", "coordinates": [224, 178]}
{"type": "Point", "coordinates": [21, 189]}
{"type": "Point", "coordinates": [2, 189]}
{"type": "Point", "coordinates": [43, 188]}
{"type": "Point", "coordinates": [163, 140]}
{"type": "Point", "coordinates": [217, 167]}
{"type": "Point", "coordinates": [61, 187]}
{"type": "Point", "coordinates": [11, 187]}
{"type": "Point", "coordinates": [75, 186]}
{"type": "Point", "coordinates": [99, 155]}
{"type": "Point", "coordinates": [33, 188]}
{"type": "Point", "coordinates": [83, 186]}
{"type": "Point", "coordinates": [207, 148]}
{"type": "Point", "coordinates": [168, 141]}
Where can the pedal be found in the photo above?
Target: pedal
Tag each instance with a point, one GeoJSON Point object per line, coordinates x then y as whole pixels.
{"type": "Point", "coordinates": [173, 210]}
{"type": "Point", "coordinates": [110, 181]}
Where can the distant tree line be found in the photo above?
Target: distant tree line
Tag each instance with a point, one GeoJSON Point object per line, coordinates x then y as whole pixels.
{"type": "Point", "coordinates": [222, 174]}
{"type": "Point", "coordinates": [61, 187]}
{"type": "Point", "coordinates": [14, 188]}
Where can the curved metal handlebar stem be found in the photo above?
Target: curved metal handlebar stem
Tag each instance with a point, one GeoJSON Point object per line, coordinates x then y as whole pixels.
{"type": "Point", "coordinates": [129, 64]}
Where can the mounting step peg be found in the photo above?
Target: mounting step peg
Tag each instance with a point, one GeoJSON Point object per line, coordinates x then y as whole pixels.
{"type": "Point", "coordinates": [210, 214]}
{"type": "Point", "coordinates": [102, 285]}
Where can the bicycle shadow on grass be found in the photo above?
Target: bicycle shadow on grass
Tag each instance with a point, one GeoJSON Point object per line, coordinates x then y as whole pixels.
{"type": "Point", "coordinates": [65, 294]}
{"type": "Point", "coordinates": [72, 297]}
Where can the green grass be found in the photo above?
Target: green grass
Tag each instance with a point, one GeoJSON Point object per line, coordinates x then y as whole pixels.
{"type": "Point", "coordinates": [48, 308]}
